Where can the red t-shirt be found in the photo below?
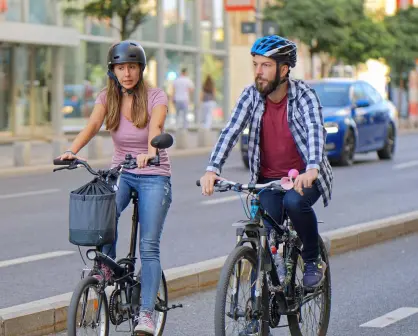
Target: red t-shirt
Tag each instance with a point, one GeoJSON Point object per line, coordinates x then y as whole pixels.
{"type": "Point", "coordinates": [278, 150]}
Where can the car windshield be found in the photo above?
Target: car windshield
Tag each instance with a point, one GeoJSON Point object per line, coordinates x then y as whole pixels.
{"type": "Point", "coordinates": [332, 94]}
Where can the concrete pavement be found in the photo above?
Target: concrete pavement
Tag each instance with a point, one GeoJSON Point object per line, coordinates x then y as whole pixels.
{"type": "Point", "coordinates": [34, 214]}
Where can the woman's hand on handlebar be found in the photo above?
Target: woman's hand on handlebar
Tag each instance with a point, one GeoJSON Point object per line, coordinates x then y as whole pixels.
{"type": "Point", "coordinates": [207, 182]}
{"type": "Point", "coordinates": [143, 159]}
{"type": "Point", "coordinates": [68, 155]}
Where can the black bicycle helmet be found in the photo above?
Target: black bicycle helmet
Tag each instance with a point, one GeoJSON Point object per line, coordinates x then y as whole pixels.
{"type": "Point", "coordinates": [125, 52]}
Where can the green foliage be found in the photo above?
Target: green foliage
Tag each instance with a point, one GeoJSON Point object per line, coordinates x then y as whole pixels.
{"type": "Point", "coordinates": [403, 27]}
{"type": "Point", "coordinates": [131, 13]}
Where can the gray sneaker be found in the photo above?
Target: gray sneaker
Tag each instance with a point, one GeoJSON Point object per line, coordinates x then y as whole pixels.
{"type": "Point", "coordinates": [145, 324]}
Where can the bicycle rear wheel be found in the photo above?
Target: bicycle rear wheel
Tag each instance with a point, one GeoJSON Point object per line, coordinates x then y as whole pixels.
{"type": "Point", "coordinates": [241, 262]}
{"type": "Point", "coordinates": [87, 311]}
{"type": "Point", "coordinates": [303, 324]}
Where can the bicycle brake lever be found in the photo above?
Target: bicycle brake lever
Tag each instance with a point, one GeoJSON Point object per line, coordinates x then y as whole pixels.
{"type": "Point", "coordinates": [60, 168]}
{"type": "Point", "coordinates": [154, 162]}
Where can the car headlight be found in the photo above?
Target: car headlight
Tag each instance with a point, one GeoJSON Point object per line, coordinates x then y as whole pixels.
{"type": "Point", "coordinates": [331, 127]}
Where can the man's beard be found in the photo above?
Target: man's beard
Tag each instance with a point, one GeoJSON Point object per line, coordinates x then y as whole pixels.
{"type": "Point", "coordinates": [269, 88]}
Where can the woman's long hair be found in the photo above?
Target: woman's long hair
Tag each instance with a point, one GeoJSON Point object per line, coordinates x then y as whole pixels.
{"type": "Point", "coordinates": [209, 86]}
{"type": "Point", "coordinates": [139, 112]}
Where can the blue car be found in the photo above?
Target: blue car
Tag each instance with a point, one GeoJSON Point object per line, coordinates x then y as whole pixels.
{"type": "Point", "coordinates": [357, 119]}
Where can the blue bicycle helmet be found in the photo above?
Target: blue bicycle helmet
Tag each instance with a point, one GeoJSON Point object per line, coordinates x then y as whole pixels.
{"type": "Point", "coordinates": [276, 47]}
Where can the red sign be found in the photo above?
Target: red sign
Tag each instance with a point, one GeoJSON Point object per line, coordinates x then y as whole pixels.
{"type": "Point", "coordinates": [239, 5]}
{"type": "Point", "coordinates": [3, 6]}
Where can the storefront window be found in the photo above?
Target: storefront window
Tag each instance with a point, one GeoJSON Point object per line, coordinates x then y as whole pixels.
{"type": "Point", "coordinates": [43, 12]}
{"type": "Point", "coordinates": [176, 61]}
{"type": "Point", "coordinates": [14, 10]}
{"type": "Point", "coordinates": [212, 25]}
{"type": "Point", "coordinates": [213, 66]}
{"type": "Point", "coordinates": [85, 76]}
{"type": "Point", "coordinates": [178, 22]}
{"type": "Point", "coordinates": [5, 86]}
{"type": "Point", "coordinates": [148, 30]}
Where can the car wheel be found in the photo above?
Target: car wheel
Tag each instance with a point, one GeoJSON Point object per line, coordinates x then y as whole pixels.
{"type": "Point", "coordinates": [386, 153]}
{"type": "Point", "coordinates": [349, 146]}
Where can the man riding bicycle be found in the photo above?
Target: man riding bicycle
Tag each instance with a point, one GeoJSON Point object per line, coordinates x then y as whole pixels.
{"type": "Point", "coordinates": [286, 131]}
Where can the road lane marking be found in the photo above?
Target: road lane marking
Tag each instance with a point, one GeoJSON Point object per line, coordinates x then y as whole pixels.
{"type": "Point", "coordinates": [221, 200]}
{"type": "Point", "coordinates": [404, 165]}
{"type": "Point", "coordinates": [390, 318]}
{"type": "Point", "coordinates": [29, 193]}
{"type": "Point", "coordinates": [35, 257]}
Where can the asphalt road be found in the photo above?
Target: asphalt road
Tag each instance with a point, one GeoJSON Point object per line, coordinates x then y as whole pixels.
{"type": "Point", "coordinates": [366, 285]}
{"type": "Point", "coordinates": [34, 214]}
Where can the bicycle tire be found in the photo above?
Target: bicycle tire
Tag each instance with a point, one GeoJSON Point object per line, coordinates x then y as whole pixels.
{"type": "Point", "coordinates": [222, 289]}
{"type": "Point", "coordinates": [75, 299]}
{"type": "Point", "coordinates": [294, 326]}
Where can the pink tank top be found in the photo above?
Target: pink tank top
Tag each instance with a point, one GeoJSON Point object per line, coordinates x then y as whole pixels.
{"type": "Point", "coordinates": [128, 139]}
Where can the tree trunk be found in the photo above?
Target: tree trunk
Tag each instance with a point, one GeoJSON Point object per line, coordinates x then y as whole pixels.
{"type": "Point", "coordinates": [312, 63]}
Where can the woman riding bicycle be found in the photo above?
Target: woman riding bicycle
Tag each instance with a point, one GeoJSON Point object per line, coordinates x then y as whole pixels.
{"type": "Point", "coordinates": [134, 113]}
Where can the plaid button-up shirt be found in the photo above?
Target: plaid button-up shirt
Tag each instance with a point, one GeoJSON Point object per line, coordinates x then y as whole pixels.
{"type": "Point", "coordinates": [304, 115]}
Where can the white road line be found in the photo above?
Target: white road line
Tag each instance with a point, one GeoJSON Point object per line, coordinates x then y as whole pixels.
{"type": "Point", "coordinates": [35, 257]}
{"type": "Point", "coordinates": [220, 200]}
{"type": "Point", "coordinates": [390, 318]}
{"type": "Point", "coordinates": [29, 193]}
{"type": "Point", "coordinates": [404, 165]}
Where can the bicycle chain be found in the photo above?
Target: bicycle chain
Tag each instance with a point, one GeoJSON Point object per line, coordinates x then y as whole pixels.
{"type": "Point", "coordinates": [115, 316]}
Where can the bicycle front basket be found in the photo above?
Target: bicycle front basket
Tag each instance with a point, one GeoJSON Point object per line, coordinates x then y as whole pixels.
{"type": "Point", "coordinates": [93, 214]}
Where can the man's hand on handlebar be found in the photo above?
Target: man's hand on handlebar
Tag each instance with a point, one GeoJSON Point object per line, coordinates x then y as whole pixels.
{"type": "Point", "coordinates": [207, 182]}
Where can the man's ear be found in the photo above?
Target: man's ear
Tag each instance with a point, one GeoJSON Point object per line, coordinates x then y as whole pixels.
{"type": "Point", "coordinates": [284, 69]}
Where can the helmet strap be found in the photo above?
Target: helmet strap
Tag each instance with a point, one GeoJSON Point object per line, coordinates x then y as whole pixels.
{"type": "Point", "coordinates": [119, 85]}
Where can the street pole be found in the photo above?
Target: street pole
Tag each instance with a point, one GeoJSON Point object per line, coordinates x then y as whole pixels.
{"type": "Point", "coordinates": [258, 20]}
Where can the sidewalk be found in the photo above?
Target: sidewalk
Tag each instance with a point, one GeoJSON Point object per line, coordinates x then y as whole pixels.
{"type": "Point", "coordinates": [41, 153]}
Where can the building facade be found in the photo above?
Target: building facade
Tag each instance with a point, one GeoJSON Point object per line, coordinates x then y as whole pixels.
{"type": "Point", "coordinates": [53, 65]}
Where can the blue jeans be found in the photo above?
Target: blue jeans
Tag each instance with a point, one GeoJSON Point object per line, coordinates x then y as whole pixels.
{"type": "Point", "coordinates": [154, 200]}
{"type": "Point", "coordinates": [300, 211]}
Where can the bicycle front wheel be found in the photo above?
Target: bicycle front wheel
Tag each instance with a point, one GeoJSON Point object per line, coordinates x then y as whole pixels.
{"type": "Point", "coordinates": [88, 313]}
{"type": "Point", "coordinates": [314, 314]}
{"type": "Point", "coordinates": [235, 296]}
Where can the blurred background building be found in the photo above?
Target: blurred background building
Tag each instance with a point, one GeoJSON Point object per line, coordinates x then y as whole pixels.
{"type": "Point", "coordinates": [52, 66]}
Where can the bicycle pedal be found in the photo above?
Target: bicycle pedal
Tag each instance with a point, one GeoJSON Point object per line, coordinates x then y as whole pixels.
{"type": "Point", "coordinates": [174, 306]}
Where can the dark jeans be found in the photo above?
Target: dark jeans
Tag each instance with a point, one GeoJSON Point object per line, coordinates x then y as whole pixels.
{"type": "Point", "coordinates": [300, 211]}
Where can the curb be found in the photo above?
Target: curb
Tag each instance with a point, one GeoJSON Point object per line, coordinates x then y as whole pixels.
{"type": "Point", "coordinates": [45, 168]}
{"type": "Point", "coordinates": [48, 316]}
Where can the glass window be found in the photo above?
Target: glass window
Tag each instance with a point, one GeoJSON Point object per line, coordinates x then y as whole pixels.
{"type": "Point", "coordinates": [213, 66]}
{"type": "Point", "coordinates": [212, 25]}
{"type": "Point", "coordinates": [358, 92]}
{"type": "Point", "coordinates": [74, 21]}
{"type": "Point", "coordinates": [43, 12]}
{"type": "Point", "coordinates": [150, 73]}
{"type": "Point", "coordinates": [5, 88]}
{"type": "Point", "coordinates": [372, 94]}
{"type": "Point", "coordinates": [187, 30]}
{"type": "Point", "coordinates": [84, 77]}
{"type": "Point", "coordinates": [148, 30]}
{"type": "Point", "coordinates": [98, 27]}
{"type": "Point", "coordinates": [176, 61]}
{"type": "Point", "coordinates": [178, 22]}
{"type": "Point", "coordinates": [14, 10]}
{"type": "Point", "coordinates": [170, 20]}
{"type": "Point", "coordinates": [332, 94]}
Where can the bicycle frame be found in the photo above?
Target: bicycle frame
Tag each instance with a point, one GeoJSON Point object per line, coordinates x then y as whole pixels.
{"type": "Point", "coordinates": [257, 236]}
